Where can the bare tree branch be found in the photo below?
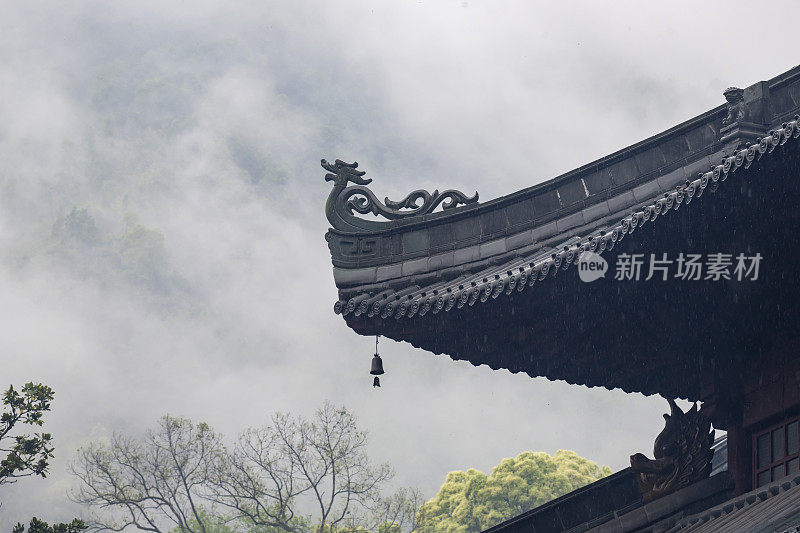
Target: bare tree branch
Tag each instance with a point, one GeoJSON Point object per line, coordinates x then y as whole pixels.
{"type": "Point", "coordinates": [145, 484]}
{"type": "Point", "coordinates": [270, 478]}
{"type": "Point", "coordinates": [294, 463]}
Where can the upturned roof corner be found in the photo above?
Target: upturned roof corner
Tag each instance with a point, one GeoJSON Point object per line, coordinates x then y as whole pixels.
{"type": "Point", "coordinates": [345, 199]}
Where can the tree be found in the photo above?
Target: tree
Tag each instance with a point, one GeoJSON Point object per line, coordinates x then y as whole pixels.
{"type": "Point", "coordinates": [40, 526]}
{"type": "Point", "coordinates": [397, 512]}
{"type": "Point", "coordinates": [25, 454]}
{"type": "Point", "coordinates": [77, 227]}
{"type": "Point", "coordinates": [181, 478]}
{"type": "Point", "coordinates": [472, 501]}
{"type": "Point", "coordinates": [454, 507]}
{"type": "Point", "coordinates": [28, 454]}
{"type": "Point", "coordinates": [212, 522]}
{"type": "Point", "coordinates": [215, 522]}
{"type": "Point", "coordinates": [295, 463]}
{"type": "Point", "coordinates": [146, 483]}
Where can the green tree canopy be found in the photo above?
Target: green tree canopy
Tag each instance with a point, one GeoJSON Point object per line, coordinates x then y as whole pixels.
{"type": "Point", "coordinates": [28, 454]}
{"type": "Point", "coordinates": [40, 526]}
{"type": "Point", "coordinates": [471, 501]}
{"type": "Point", "coordinates": [25, 454]}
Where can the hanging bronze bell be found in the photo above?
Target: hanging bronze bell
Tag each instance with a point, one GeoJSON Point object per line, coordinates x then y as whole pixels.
{"type": "Point", "coordinates": [377, 365]}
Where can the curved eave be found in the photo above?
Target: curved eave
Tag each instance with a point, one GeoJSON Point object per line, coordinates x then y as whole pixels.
{"type": "Point", "coordinates": [448, 316]}
{"type": "Point", "coordinates": [545, 262]}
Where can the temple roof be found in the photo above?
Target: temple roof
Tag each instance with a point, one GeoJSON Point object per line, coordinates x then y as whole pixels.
{"type": "Point", "coordinates": [605, 506]}
{"type": "Point", "coordinates": [771, 509]}
{"type": "Point", "coordinates": [421, 276]}
{"type": "Point", "coordinates": [613, 505]}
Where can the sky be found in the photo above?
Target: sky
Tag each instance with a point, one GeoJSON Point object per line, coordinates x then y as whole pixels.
{"type": "Point", "coordinates": [162, 205]}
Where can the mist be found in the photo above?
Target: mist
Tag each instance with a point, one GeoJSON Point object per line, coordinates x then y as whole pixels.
{"type": "Point", "coordinates": [162, 204]}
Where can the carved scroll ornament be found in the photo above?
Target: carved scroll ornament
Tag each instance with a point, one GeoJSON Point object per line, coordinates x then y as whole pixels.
{"type": "Point", "coordinates": [344, 200]}
{"type": "Point", "coordinates": [682, 454]}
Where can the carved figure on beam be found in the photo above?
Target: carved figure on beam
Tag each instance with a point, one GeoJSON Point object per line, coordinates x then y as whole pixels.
{"type": "Point", "coordinates": [682, 454]}
{"type": "Point", "coordinates": [735, 101]}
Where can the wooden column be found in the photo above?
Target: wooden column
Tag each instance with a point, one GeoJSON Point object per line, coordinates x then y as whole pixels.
{"type": "Point", "coordinates": [740, 458]}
